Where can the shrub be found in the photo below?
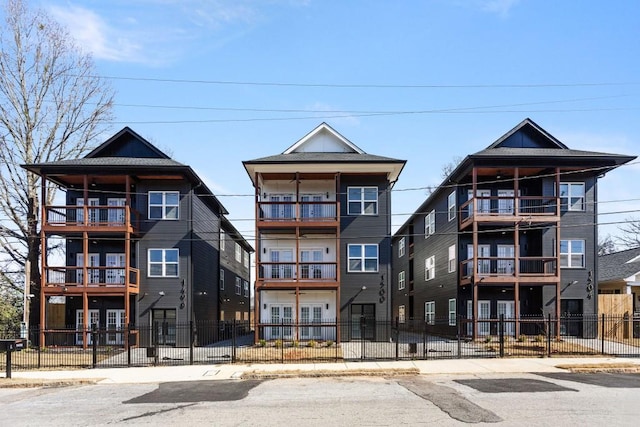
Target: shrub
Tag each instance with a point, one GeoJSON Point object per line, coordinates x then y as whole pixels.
{"type": "Point", "coordinates": [262, 343]}
{"type": "Point", "coordinates": [295, 344]}
{"type": "Point", "coordinates": [539, 338]}
{"type": "Point", "coordinates": [522, 338]}
{"type": "Point", "coordinates": [311, 343]}
{"type": "Point", "coordinates": [278, 343]}
{"type": "Point", "coordinates": [329, 343]}
{"type": "Point", "coordinates": [487, 339]}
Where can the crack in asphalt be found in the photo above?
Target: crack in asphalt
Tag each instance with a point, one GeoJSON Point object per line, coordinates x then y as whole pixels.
{"type": "Point", "coordinates": [152, 413]}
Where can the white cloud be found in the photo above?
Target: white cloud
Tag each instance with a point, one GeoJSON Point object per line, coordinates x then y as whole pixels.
{"type": "Point", "coordinates": [332, 114]}
{"type": "Point", "coordinates": [500, 7]}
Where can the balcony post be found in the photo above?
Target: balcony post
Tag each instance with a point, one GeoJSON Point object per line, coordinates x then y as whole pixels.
{"type": "Point", "coordinates": [516, 191]}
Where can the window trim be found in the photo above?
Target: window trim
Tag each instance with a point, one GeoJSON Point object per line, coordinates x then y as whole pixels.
{"type": "Point", "coordinates": [238, 250]}
{"type": "Point", "coordinates": [570, 253]}
{"type": "Point", "coordinates": [401, 247]}
{"type": "Point", "coordinates": [430, 260]}
{"type": "Point", "coordinates": [430, 224]}
{"type": "Point", "coordinates": [363, 258]}
{"type": "Point", "coordinates": [401, 314]}
{"type": "Point", "coordinates": [430, 312]}
{"type": "Point", "coordinates": [452, 204]}
{"type": "Point", "coordinates": [452, 319]}
{"type": "Point", "coordinates": [401, 280]}
{"type": "Point", "coordinates": [221, 285]}
{"type": "Point", "coordinates": [452, 259]}
{"type": "Point", "coordinates": [223, 238]}
{"type": "Point", "coordinates": [362, 201]}
{"type": "Point", "coordinates": [164, 205]}
{"type": "Point", "coordinates": [245, 288]}
{"type": "Point", "coordinates": [163, 263]}
{"type": "Point", "coordinates": [238, 286]}
{"type": "Point", "coordinates": [568, 205]}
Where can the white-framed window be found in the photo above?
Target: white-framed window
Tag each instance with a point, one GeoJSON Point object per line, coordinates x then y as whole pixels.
{"type": "Point", "coordinates": [401, 315]}
{"type": "Point", "coordinates": [572, 254]}
{"type": "Point", "coordinates": [246, 259]}
{"type": "Point", "coordinates": [430, 312]}
{"type": "Point", "coordinates": [430, 224]}
{"type": "Point", "coordinates": [245, 287]}
{"type": "Point", "coordinates": [222, 279]}
{"type": "Point", "coordinates": [451, 203]}
{"type": "Point", "coordinates": [238, 252]}
{"type": "Point", "coordinates": [363, 258]}
{"type": "Point", "coordinates": [401, 246]}
{"type": "Point", "coordinates": [238, 286]}
{"type": "Point", "coordinates": [429, 268]}
{"type": "Point", "coordinates": [572, 196]}
{"type": "Point", "coordinates": [452, 258]}
{"type": "Point", "coordinates": [164, 204]}
{"type": "Point", "coordinates": [452, 312]}
{"type": "Point", "coordinates": [362, 200]}
{"type": "Point", "coordinates": [223, 238]}
{"type": "Point", "coordinates": [162, 262]}
{"type": "Point", "coordinates": [401, 281]}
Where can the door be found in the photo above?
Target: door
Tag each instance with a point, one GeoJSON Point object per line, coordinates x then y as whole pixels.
{"type": "Point", "coordinates": [282, 267]}
{"type": "Point", "coordinates": [506, 260]}
{"type": "Point", "coordinates": [309, 209]}
{"type": "Point", "coordinates": [94, 319]}
{"type": "Point", "coordinates": [115, 276]}
{"type": "Point", "coordinates": [505, 202]}
{"type": "Point", "coordinates": [115, 326]}
{"type": "Point", "coordinates": [469, 317]}
{"type": "Point", "coordinates": [363, 321]}
{"type": "Point", "coordinates": [484, 261]}
{"type": "Point", "coordinates": [310, 314]}
{"type": "Point", "coordinates": [484, 312]}
{"type": "Point", "coordinates": [93, 273]}
{"type": "Point", "coordinates": [282, 206]}
{"type": "Point", "coordinates": [94, 214]}
{"type": "Point", "coordinates": [282, 316]}
{"type": "Point", "coordinates": [308, 270]}
{"type": "Point", "coordinates": [508, 309]}
{"type": "Point", "coordinates": [483, 201]}
{"type": "Point", "coordinates": [164, 321]}
{"type": "Point", "coordinates": [571, 319]}
{"type": "Point", "coordinates": [116, 215]}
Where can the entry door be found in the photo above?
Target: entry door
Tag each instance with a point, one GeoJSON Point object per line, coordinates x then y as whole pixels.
{"type": "Point", "coordinates": [165, 322]}
{"type": "Point", "coordinates": [506, 261]}
{"type": "Point", "coordinates": [484, 312]}
{"type": "Point", "coordinates": [283, 267]}
{"type": "Point", "coordinates": [571, 323]}
{"type": "Point", "coordinates": [116, 216]}
{"type": "Point", "coordinates": [94, 319]}
{"type": "Point", "coordinates": [505, 202]}
{"type": "Point", "coordinates": [94, 214]}
{"type": "Point", "coordinates": [284, 209]}
{"type": "Point", "coordinates": [311, 210]}
{"type": "Point", "coordinates": [115, 327]}
{"type": "Point", "coordinates": [115, 276]}
{"type": "Point", "coordinates": [310, 314]}
{"type": "Point", "coordinates": [470, 317]}
{"type": "Point", "coordinates": [483, 201]}
{"type": "Point", "coordinates": [508, 309]}
{"type": "Point", "coordinates": [363, 321]}
{"type": "Point", "coordinates": [94, 273]}
{"type": "Point", "coordinates": [281, 314]}
{"type": "Point", "coordinates": [484, 263]}
{"type": "Point", "coordinates": [311, 271]}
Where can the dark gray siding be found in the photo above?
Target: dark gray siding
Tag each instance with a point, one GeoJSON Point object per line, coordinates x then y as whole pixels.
{"type": "Point", "coordinates": [230, 301]}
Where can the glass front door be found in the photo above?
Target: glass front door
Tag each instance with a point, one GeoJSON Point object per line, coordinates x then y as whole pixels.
{"type": "Point", "coordinates": [164, 321]}
{"type": "Point", "coordinates": [310, 314]}
{"type": "Point", "coordinates": [363, 321]}
{"type": "Point", "coordinates": [115, 327]}
{"type": "Point", "coordinates": [115, 275]}
{"type": "Point", "coordinates": [94, 319]}
{"type": "Point", "coordinates": [508, 309]}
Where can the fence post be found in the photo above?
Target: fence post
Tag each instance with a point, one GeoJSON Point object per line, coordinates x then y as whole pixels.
{"type": "Point", "coordinates": [94, 342]}
{"type": "Point", "coordinates": [40, 344]}
{"type": "Point", "coordinates": [191, 341]}
{"type": "Point", "coordinates": [156, 338]}
{"type": "Point", "coordinates": [282, 341]}
{"type": "Point", "coordinates": [362, 345]}
{"type": "Point", "coordinates": [233, 341]}
{"type": "Point", "coordinates": [603, 329]}
{"type": "Point", "coordinates": [549, 334]}
{"type": "Point", "coordinates": [127, 333]}
{"type": "Point", "coordinates": [501, 334]}
{"type": "Point", "coordinates": [397, 337]}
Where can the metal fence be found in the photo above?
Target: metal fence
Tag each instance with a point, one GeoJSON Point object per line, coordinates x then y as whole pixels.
{"type": "Point", "coordinates": [286, 342]}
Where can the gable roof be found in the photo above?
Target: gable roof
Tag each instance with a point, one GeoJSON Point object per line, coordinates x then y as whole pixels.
{"type": "Point", "coordinates": [529, 126]}
{"type": "Point", "coordinates": [115, 146]}
{"type": "Point", "coordinates": [619, 265]}
{"type": "Point", "coordinates": [323, 127]}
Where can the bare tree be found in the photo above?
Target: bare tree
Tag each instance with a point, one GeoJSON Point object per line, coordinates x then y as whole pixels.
{"type": "Point", "coordinates": [52, 107]}
{"type": "Point", "coordinates": [606, 245]}
{"type": "Point", "coordinates": [630, 233]}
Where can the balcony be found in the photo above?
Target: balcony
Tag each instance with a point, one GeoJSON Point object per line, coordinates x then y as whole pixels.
{"type": "Point", "coordinates": [496, 270]}
{"type": "Point", "coordinates": [304, 272]}
{"type": "Point", "coordinates": [313, 214]}
{"type": "Point", "coordinates": [509, 209]}
{"type": "Point", "coordinates": [99, 280]}
{"type": "Point", "coordinates": [90, 218]}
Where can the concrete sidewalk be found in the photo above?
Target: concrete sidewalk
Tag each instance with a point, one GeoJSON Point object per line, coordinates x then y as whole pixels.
{"type": "Point", "coordinates": [386, 368]}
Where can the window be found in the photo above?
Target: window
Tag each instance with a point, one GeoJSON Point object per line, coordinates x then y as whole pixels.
{"type": "Point", "coordinates": [221, 279]}
{"type": "Point", "coordinates": [401, 316]}
{"type": "Point", "coordinates": [362, 201]}
{"type": "Point", "coordinates": [238, 286]}
{"type": "Point", "coordinates": [238, 252]}
{"type": "Point", "coordinates": [401, 281]}
{"type": "Point", "coordinates": [572, 196]}
{"type": "Point", "coordinates": [430, 224]}
{"type": "Point", "coordinates": [245, 287]}
{"type": "Point", "coordinates": [572, 254]}
{"type": "Point", "coordinates": [452, 258]}
{"type": "Point", "coordinates": [452, 312]}
{"type": "Point", "coordinates": [429, 268]}
{"type": "Point", "coordinates": [246, 259]}
{"type": "Point", "coordinates": [223, 238]}
{"type": "Point", "coordinates": [452, 205]}
{"type": "Point", "coordinates": [164, 204]}
{"type": "Point", "coordinates": [162, 263]}
{"type": "Point", "coordinates": [430, 312]}
{"type": "Point", "coordinates": [363, 258]}
{"type": "Point", "coordinates": [401, 244]}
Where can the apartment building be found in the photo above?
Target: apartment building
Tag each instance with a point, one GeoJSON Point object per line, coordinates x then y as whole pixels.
{"type": "Point", "coordinates": [323, 239]}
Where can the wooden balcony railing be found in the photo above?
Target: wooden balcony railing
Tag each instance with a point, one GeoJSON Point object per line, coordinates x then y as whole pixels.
{"type": "Point", "coordinates": [529, 267]}
{"type": "Point", "coordinates": [504, 206]}
{"type": "Point", "coordinates": [91, 216]}
{"type": "Point", "coordinates": [73, 277]}
{"type": "Point", "coordinates": [298, 211]}
{"type": "Point", "coordinates": [304, 271]}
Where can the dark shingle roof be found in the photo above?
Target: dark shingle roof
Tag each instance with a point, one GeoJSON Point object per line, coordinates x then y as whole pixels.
{"type": "Point", "coordinates": [616, 266]}
{"type": "Point", "coordinates": [109, 162]}
{"type": "Point", "coordinates": [310, 157]}
{"type": "Point", "coordinates": [542, 152]}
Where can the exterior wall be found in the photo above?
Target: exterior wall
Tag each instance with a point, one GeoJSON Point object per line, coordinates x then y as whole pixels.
{"type": "Point", "coordinates": [230, 302]}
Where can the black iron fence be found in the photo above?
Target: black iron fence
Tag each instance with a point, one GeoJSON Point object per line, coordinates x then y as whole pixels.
{"type": "Point", "coordinates": [329, 341]}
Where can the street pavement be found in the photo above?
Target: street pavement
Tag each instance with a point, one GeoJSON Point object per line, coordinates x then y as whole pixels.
{"type": "Point", "coordinates": [227, 371]}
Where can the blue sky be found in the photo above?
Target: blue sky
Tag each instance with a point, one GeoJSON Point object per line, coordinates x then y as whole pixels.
{"type": "Point", "coordinates": [217, 82]}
